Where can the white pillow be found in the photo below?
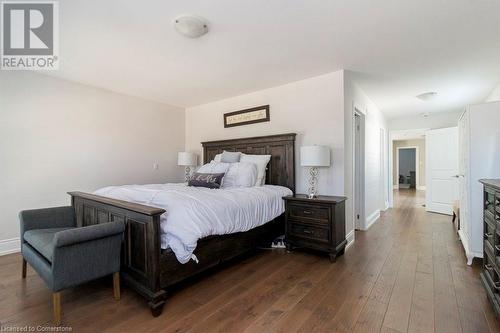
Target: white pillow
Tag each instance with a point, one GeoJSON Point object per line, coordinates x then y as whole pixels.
{"type": "Point", "coordinates": [240, 174]}
{"type": "Point", "coordinates": [261, 162]}
{"type": "Point", "coordinates": [217, 158]}
{"type": "Point", "coordinates": [214, 167]}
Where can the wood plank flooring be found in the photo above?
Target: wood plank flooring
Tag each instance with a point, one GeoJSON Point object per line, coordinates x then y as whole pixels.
{"type": "Point", "coordinates": [406, 274]}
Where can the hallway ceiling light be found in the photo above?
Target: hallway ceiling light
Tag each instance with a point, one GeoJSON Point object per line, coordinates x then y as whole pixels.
{"type": "Point", "coordinates": [427, 96]}
{"type": "Point", "coordinates": [191, 26]}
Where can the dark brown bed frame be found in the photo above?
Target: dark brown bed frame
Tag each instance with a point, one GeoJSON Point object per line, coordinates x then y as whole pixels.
{"type": "Point", "coordinates": [151, 271]}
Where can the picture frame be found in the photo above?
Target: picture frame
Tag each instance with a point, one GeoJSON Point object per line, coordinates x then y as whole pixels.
{"type": "Point", "coordinates": [254, 115]}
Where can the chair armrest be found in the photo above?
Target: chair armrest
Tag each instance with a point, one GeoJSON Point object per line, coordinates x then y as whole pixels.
{"type": "Point", "coordinates": [86, 234]}
{"type": "Point", "coordinates": [57, 217]}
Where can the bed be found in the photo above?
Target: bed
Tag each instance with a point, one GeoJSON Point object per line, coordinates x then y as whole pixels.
{"type": "Point", "coordinates": [152, 271]}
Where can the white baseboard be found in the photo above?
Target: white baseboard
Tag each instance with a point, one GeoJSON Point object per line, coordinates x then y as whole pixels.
{"type": "Point", "coordinates": [421, 188]}
{"type": "Point", "coordinates": [8, 246]}
{"type": "Point", "coordinates": [470, 255]}
{"type": "Point", "coordinates": [350, 239]}
{"type": "Point", "coordinates": [370, 220]}
{"type": "Point", "coordinates": [395, 187]}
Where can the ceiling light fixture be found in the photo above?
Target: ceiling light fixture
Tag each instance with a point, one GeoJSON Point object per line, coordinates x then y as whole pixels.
{"type": "Point", "coordinates": [427, 96]}
{"type": "Point", "coordinates": [191, 26]}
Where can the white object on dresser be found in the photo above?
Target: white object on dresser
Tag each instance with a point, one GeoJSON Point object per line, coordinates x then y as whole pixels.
{"type": "Point", "coordinates": [479, 157]}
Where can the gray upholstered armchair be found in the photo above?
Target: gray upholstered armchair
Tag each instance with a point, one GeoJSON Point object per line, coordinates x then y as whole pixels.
{"type": "Point", "coordinates": [65, 256]}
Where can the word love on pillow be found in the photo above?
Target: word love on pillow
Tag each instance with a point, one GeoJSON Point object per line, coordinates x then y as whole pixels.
{"type": "Point", "coordinates": [208, 180]}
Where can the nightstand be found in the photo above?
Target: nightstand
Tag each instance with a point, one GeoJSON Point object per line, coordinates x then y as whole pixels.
{"type": "Point", "coordinates": [317, 223]}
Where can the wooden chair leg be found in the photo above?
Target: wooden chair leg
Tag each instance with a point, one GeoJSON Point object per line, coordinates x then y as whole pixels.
{"type": "Point", "coordinates": [24, 269]}
{"type": "Point", "coordinates": [56, 302]}
{"type": "Point", "coordinates": [116, 285]}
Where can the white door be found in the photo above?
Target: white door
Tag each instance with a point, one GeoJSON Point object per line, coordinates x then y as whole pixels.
{"type": "Point", "coordinates": [441, 147]}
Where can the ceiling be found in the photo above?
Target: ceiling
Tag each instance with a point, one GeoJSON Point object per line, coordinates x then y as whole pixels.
{"type": "Point", "coordinates": [397, 49]}
{"type": "Point", "coordinates": [411, 134]}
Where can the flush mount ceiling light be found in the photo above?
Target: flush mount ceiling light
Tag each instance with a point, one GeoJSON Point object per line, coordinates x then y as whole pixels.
{"type": "Point", "coordinates": [191, 26]}
{"type": "Point", "coordinates": [427, 96]}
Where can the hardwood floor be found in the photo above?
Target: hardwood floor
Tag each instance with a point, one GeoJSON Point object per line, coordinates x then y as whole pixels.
{"type": "Point", "coordinates": [406, 274]}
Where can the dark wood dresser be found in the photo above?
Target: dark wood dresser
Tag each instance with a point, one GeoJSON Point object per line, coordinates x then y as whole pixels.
{"type": "Point", "coordinates": [490, 274]}
{"type": "Point", "coordinates": [317, 223]}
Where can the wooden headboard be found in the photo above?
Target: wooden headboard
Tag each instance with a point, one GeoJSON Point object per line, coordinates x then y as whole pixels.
{"type": "Point", "coordinates": [281, 147]}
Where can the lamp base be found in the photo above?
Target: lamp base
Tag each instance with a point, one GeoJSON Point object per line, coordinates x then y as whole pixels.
{"type": "Point", "coordinates": [313, 181]}
{"type": "Point", "coordinates": [187, 174]}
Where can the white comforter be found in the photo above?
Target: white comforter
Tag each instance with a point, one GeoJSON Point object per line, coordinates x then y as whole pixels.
{"type": "Point", "coordinates": [195, 212]}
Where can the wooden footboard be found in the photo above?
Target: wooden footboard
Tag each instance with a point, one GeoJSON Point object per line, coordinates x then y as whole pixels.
{"type": "Point", "coordinates": [141, 246]}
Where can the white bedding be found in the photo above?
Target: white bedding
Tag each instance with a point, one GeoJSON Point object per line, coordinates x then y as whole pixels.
{"type": "Point", "coordinates": [196, 212]}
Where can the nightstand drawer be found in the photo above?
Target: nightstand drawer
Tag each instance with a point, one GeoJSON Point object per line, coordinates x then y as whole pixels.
{"type": "Point", "coordinates": [316, 212]}
{"type": "Point", "coordinates": [310, 232]}
{"type": "Point", "coordinates": [489, 200]}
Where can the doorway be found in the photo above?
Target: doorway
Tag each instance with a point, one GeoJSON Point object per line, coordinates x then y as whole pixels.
{"type": "Point", "coordinates": [359, 169]}
{"type": "Point", "coordinates": [414, 138]}
{"type": "Point", "coordinates": [407, 168]}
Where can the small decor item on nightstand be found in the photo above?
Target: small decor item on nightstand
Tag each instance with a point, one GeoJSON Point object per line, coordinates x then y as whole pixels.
{"type": "Point", "coordinates": [314, 157]}
{"type": "Point", "coordinates": [186, 160]}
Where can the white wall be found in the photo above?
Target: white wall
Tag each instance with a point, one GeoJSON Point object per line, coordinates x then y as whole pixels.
{"type": "Point", "coordinates": [375, 185]}
{"type": "Point", "coordinates": [434, 120]}
{"type": "Point", "coordinates": [312, 108]}
{"type": "Point", "coordinates": [494, 95]}
{"type": "Point", "coordinates": [57, 136]}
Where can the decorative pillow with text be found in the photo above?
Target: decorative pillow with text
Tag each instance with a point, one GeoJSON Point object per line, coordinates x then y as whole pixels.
{"type": "Point", "coordinates": [208, 180]}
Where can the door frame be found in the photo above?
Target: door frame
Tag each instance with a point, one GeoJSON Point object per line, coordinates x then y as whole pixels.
{"type": "Point", "coordinates": [417, 165]}
{"type": "Point", "coordinates": [394, 136]}
{"type": "Point", "coordinates": [358, 193]}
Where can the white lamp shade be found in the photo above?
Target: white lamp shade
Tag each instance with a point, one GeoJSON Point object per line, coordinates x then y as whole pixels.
{"type": "Point", "coordinates": [315, 156]}
{"type": "Point", "coordinates": [186, 159]}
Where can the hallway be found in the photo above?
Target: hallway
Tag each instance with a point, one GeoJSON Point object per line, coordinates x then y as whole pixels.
{"type": "Point", "coordinates": [407, 273]}
{"type": "Point", "coordinates": [433, 284]}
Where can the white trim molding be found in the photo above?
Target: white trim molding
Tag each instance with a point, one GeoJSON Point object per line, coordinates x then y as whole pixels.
{"type": "Point", "coordinates": [370, 220]}
{"type": "Point", "coordinates": [8, 246]}
{"type": "Point", "coordinates": [350, 239]}
{"type": "Point", "coordinates": [421, 188]}
{"type": "Point", "coordinates": [470, 255]}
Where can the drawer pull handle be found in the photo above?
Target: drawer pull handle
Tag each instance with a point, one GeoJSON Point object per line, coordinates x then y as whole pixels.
{"type": "Point", "coordinates": [496, 285]}
{"type": "Point", "coordinates": [488, 234]}
{"type": "Point", "coordinates": [497, 247]}
{"type": "Point", "coordinates": [487, 203]}
{"type": "Point", "coordinates": [497, 217]}
{"type": "Point", "coordinates": [307, 231]}
{"type": "Point", "coordinates": [307, 212]}
{"type": "Point", "coordinates": [488, 267]}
